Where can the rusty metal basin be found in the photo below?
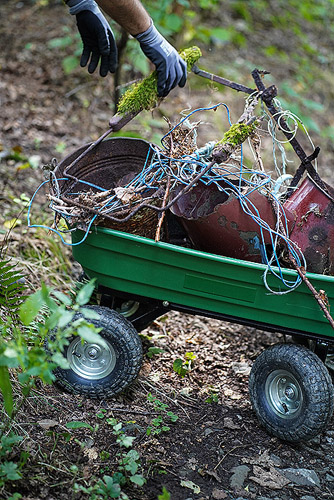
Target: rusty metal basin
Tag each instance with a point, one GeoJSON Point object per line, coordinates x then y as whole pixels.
{"type": "Point", "coordinates": [216, 222]}
{"type": "Point", "coordinates": [312, 210]}
{"type": "Point", "coordinates": [114, 162]}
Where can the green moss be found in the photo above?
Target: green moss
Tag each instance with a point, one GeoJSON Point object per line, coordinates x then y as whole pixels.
{"type": "Point", "coordinates": [237, 134]}
{"type": "Point", "coordinates": [191, 56]}
{"type": "Point", "coordinates": [144, 95]}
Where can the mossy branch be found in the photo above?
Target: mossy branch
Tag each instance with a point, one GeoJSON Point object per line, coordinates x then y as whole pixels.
{"type": "Point", "coordinates": [232, 139]}
{"type": "Point", "coordinates": [144, 95]}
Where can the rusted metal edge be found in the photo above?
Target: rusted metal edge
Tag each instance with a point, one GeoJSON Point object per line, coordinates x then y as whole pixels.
{"type": "Point", "coordinates": [116, 123]}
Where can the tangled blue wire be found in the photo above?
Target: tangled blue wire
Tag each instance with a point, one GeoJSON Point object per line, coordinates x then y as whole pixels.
{"type": "Point", "coordinates": [181, 171]}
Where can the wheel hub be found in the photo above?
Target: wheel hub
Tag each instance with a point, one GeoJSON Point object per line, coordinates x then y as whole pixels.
{"type": "Point", "coordinates": [284, 393]}
{"type": "Point", "coordinates": [89, 360]}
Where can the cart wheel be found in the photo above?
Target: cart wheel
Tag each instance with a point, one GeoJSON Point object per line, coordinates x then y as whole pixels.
{"type": "Point", "coordinates": [291, 392]}
{"type": "Point", "coordinates": [102, 372]}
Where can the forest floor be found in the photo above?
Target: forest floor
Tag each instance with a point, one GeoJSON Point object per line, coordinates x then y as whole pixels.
{"type": "Point", "coordinates": [216, 449]}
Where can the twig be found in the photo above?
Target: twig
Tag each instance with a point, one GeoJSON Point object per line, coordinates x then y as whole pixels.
{"type": "Point", "coordinates": [228, 453]}
{"type": "Point", "coordinates": [223, 81]}
{"type": "Point", "coordinates": [301, 272]}
{"type": "Point", "coordinates": [162, 215]}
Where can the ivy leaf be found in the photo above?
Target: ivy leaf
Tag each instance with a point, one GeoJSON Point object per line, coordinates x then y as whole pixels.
{"type": "Point", "coordinates": [127, 441]}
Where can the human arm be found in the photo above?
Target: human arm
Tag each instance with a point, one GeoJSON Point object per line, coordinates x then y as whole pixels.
{"type": "Point", "coordinates": [131, 15]}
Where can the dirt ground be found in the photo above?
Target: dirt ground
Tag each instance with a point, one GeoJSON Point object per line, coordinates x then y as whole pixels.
{"type": "Point", "coordinates": [216, 449]}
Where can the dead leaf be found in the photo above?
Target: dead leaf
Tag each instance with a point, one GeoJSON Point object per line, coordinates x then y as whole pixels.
{"type": "Point", "coordinates": [231, 394]}
{"type": "Point", "coordinates": [269, 479]}
{"type": "Point", "coordinates": [127, 195]}
{"type": "Point", "coordinates": [241, 368]}
{"type": "Point", "coordinates": [191, 486]}
{"type": "Point", "coordinates": [91, 453]}
{"type": "Point", "coordinates": [229, 424]}
{"type": "Point", "coordinates": [213, 474]}
{"type": "Point", "coordinates": [218, 494]}
{"type": "Point", "coordinates": [262, 459]}
{"type": "Point", "coordinates": [47, 423]}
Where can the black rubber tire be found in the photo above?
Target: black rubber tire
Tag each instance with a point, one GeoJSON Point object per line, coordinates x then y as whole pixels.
{"type": "Point", "coordinates": [291, 392]}
{"type": "Point", "coordinates": [126, 345]}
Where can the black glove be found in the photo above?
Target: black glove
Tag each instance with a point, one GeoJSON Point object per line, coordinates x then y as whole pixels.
{"type": "Point", "coordinates": [97, 37]}
{"type": "Point", "coordinates": [171, 68]}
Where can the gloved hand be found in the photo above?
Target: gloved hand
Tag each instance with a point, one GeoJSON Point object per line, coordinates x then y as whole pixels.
{"type": "Point", "coordinates": [171, 68]}
{"type": "Point", "coordinates": [98, 39]}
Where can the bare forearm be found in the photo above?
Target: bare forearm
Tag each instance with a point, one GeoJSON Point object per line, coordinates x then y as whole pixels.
{"type": "Point", "coordinates": [130, 14]}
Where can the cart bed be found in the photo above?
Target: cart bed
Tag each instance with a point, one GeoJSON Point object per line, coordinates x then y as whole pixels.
{"type": "Point", "coordinates": [220, 286]}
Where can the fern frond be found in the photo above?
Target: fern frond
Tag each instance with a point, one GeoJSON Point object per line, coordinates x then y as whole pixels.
{"type": "Point", "coordinates": [11, 288]}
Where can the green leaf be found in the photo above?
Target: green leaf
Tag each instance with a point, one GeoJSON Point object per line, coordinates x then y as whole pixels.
{"type": "Point", "coordinates": [127, 441]}
{"type": "Point", "coordinates": [75, 424]}
{"type": "Point", "coordinates": [60, 43]}
{"type": "Point", "coordinates": [85, 293]}
{"type": "Point", "coordinates": [62, 297]}
{"type": "Point", "coordinates": [109, 489]}
{"type": "Point", "coordinates": [179, 367]}
{"type": "Point", "coordinates": [138, 479]}
{"type": "Point", "coordinates": [8, 470]}
{"type": "Point", "coordinates": [8, 442]}
{"type": "Point", "coordinates": [15, 496]}
{"type": "Point", "coordinates": [190, 356]}
{"type": "Point", "coordinates": [90, 313]}
{"type": "Point", "coordinates": [222, 34]}
{"type": "Point", "coordinates": [69, 64]}
{"type": "Point", "coordinates": [31, 307]}
{"type": "Point", "coordinates": [6, 389]}
{"type": "Point", "coordinates": [153, 351]}
{"type": "Point", "coordinates": [87, 334]}
{"type": "Point", "coordinates": [60, 361]}
{"type": "Point", "coordinates": [65, 318]}
{"type": "Point", "coordinates": [173, 22]}
{"type": "Point", "coordinates": [165, 494]}
{"type": "Point", "coordinates": [132, 467]}
{"type": "Point", "coordinates": [9, 358]}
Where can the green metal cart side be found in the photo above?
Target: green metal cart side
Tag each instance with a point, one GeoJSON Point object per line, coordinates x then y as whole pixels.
{"type": "Point", "coordinates": [192, 279]}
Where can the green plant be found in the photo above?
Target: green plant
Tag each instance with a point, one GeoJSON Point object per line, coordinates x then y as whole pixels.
{"type": "Point", "coordinates": [128, 466]}
{"type": "Point", "coordinates": [165, 494]}
{"type": "Point", "coordinates": [24, 325]}
{"type": "Point", "coordinates": [161, 422]}
{"type": "Point", "coordinates": [153, 351]}
{"type": "Point", "coordinates": [184, 366]}
{"type": "Point", "coordinates": [212, 398]}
